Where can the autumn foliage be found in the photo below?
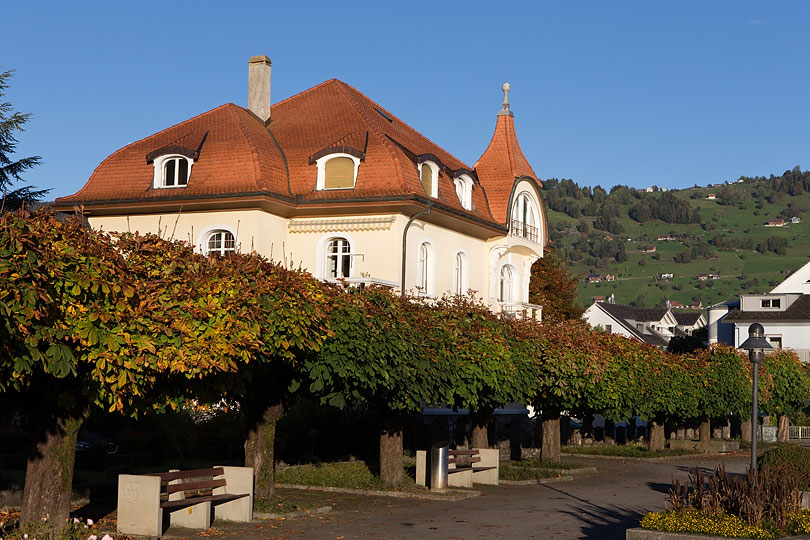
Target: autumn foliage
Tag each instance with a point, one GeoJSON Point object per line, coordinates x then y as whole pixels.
{"type": "Point", "coordinates": [135, 323]}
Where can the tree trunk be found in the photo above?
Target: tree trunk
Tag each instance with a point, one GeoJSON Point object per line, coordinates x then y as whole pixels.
{"type": "Point", "coordinates": [480, 425]}
{"type": "Point", "coordinates": [391, 454]}
{"type": "Point", "coordinates": [49, 471]}
{"type": "Point", "coordinates": [783, 429]}
{"type": "Point", "coordinates": [705, 429]}
{"type": "Point", "coordinates": [745, 430]}
{"type": "Point", "coordinates": [550, 449]}
{"type": "Point", "coordinates": [658, 438]}
{"type": "Point", "coordinates": [259, 450]}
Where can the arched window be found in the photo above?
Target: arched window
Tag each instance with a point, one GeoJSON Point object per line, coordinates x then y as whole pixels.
{"type": "Point", "coordinates": [338, 173]}
{"type": "Point", "coordinates": [505, 285]}
{"type": "Point", "coordinates": [429, 175]}
{"type": "Point", "coordinates": [171, 171]}
{"type": "Point", "coordinates": [338, 258]}
{"type": "Point", "coordinates": [220, 242]}
{"type": "Point", "coordinates": [525, 218]}
{"type": "Point", "coordinates": [460, 274]}
{"type": "Point", "coordinates": [464, 186]}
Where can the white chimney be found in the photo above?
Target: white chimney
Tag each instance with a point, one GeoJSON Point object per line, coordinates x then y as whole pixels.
{"type": "Point", "coordinates": [259, 87]}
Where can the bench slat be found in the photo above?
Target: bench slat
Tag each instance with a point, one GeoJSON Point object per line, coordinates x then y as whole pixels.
{"type": "Point", "coordinates": [196, 500]}
{"type": "Point", "coordinates": [193, 486]}
{"type": "Point", "coordinates": [464, 460]}
{"type": "Point", "coordinates": [192, 473]}
{"type": "Point", "coordinates": [462, 452]}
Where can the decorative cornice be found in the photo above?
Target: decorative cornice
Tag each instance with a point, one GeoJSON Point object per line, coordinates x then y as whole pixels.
{"type": "Point", "coordinates": [340, 225]}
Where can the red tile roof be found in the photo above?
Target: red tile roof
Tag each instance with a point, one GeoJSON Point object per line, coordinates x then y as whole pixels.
{"type": "Point", "coordinates": [238, 154]}
{"type": "Point", "coordinates": [501, 164]}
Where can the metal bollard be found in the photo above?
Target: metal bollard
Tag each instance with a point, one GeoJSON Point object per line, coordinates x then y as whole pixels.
{"type": "Point", "coordinates": [439, 453]}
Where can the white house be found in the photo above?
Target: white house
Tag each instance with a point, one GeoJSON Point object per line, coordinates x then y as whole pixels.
{"type": "Point", "coordinates": [331, 180]}
{"type": "Point", "coordinates": [784, 313]}
{"type": "Point", "coordinates": [651, 325]}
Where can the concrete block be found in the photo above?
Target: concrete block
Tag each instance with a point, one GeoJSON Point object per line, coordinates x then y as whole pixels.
{"type": "Point", "coordinates": [459, 479]}
{"type": "Point", "coordinates": [197, 516]}
{"type": "Point", "coordinates": [139, 511]}
{"type": "Point", "coordinates": [421, 468]}
{"type": "Point", "coordinates": [238, 480]}
{"type": "Point", "coordinates": [489, 458]}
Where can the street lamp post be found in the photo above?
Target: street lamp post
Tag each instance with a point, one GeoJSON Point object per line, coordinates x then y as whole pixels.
{"type": "Point", "coordinates": [755, 345]}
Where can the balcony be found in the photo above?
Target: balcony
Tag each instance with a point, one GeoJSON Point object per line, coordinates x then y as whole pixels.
{"type": "Point", "coordinates": [524, 230]}
{"type": "Point", "coordinates": [521, 310]}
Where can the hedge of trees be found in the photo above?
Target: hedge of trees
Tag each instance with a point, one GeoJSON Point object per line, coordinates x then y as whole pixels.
{"type": "Point", "coordinates": [138, 324]}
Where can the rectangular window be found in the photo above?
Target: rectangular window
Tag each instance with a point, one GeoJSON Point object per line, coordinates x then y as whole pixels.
{"type": "Point", "coordinates": [776, 341]}
{"type": "Point", "coordinates": [609, 328]}
{"type": "Point", "coordinates": [776, 303]}
{"type": "Point", "coordinates": [765, 303]}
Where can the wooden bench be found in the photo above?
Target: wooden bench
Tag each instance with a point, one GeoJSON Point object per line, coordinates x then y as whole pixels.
{"type": "Point", "coordinates": [192, 499]}
{"type": "Point", "coordinates": [464, 467]}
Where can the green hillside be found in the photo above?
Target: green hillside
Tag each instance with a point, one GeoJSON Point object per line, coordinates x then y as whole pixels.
{"type": "Point", "coordinates": [726, 236]}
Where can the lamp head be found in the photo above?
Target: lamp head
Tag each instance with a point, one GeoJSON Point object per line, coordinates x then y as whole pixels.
{"type": "Point", "coordinates": [756, 341]}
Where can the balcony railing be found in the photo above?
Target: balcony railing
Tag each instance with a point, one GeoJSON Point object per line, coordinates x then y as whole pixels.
{"type": "Point", "coordinates": [524, 230]}
{"type": "Point", "coordinates": [521, 310]}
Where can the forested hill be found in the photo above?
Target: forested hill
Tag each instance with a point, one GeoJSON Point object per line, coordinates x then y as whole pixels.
{"type": "Point", "coordinates": [717, 242]}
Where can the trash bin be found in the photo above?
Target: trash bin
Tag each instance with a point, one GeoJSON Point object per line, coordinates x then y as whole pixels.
{"type": "Point", "coordinates": [438, 466]}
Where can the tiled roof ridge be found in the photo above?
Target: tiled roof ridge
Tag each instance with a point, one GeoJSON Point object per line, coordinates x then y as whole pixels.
{"type": "Point", "coordinates": [302, 92]}
{"type": "Point", "coordinates": [253, 150]}
{"type": "Point", "coordinates": [376, 130]}
{"type": "Point", "coordinates": [405, 124]}
{"type": "Point", "coordinates": [133, 143]}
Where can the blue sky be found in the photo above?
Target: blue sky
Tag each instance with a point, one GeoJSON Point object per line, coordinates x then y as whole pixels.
{"type": "Point", "coordinates": [637, 93]}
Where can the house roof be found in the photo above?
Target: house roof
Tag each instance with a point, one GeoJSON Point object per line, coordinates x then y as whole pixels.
{"type": "Point", "coordinates": [237, 154]}
{"type": "Point", "coordinates": [634, 313]}
{"type": "Point", "coordinates": [625, 313]}
{"type": "Point", "coordinates": [797, 311]}
{"type": "Point", "coordinates": [686, 318]}
{"type": "Point", "coordinates": [501, 164]}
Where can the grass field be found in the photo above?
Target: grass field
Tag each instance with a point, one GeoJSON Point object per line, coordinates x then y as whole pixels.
{"type": "Point", "coordinates": [743, 271]}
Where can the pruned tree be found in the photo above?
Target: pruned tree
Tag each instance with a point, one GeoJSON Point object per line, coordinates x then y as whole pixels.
{"type": "Point", "coordinates": [555, 288]}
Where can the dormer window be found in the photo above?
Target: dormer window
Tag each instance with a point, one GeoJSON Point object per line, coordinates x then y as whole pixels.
{"type": "Point", "coordinates": [429, 175]}
{"type": "Point", "coordinates": [464, 185]}
{"type": "Point", "coordinates": [172, 171]}
{"type": "Point", "coordinates": [173, 162]}
{"type": "Point", "coordinates": [337, 171]}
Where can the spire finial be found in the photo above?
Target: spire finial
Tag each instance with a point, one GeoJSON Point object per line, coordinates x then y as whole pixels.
{"type": "Point", "coordinates": [505, 108]}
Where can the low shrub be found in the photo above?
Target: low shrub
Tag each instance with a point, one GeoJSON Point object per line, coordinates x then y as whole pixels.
{"type": "Point", "coordinates": [626, 450]}
{"type": "Point", "coordinates": [696, 522]}
{"type": "Point", "coordinates": [75, 529]}
{"type": "Point", "coordinates": [343, 474]}
{"type": "Point", "coordinates": [513, 473]}
{"type": "Point", "coordinates": [537, 463]}
{"type": "Point", "coordinates": [795, 456]}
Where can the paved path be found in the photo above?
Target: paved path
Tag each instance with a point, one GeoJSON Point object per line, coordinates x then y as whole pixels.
{"type": "Point", "coordinates": [600, 506]}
